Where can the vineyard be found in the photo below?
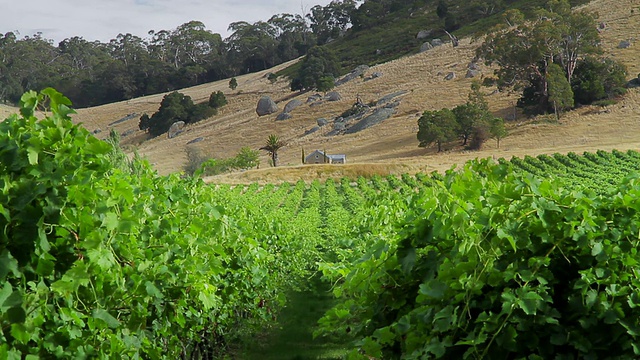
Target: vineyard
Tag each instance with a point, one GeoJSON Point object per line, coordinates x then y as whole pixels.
{"type": "Point", "coordinates": [100, 257]}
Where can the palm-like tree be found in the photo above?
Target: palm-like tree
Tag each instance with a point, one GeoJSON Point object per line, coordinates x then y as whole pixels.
{"type": "Point", "coordinates": [273, 145]}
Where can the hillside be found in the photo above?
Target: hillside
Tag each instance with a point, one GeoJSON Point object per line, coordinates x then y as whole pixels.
{"type": "Point", "coordinates": [6, 110]}
{"type": "Point", "coordinates": [393, 141]}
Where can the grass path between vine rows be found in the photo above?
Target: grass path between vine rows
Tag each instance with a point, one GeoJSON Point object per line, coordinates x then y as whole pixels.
{"type": "Point", "coordinates": [292, 338]}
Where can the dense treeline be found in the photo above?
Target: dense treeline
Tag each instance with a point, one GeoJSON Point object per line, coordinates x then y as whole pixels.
{"type": "Point", "coordinates": [129, 66]}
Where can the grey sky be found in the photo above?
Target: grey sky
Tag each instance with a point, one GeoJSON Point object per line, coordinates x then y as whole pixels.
{"type": "Point", "coordinates": [104, 19]}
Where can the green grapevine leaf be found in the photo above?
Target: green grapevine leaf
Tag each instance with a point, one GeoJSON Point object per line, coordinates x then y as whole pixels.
{"type": "Point", "coordinates": [110, 221]}
{"type": "Point", "coordinates": [434, 289]}
{"type": "Point", "coordinates": [28, 103]}
{"type": "Point", "coordinates": [32, 154]}
{"type": "Point", "coordinates": [384, 335]}
{"type": "Point", "coordinates": [104, 315]}
{"type": "Point", "coordinates": [209, 301]}
{"type": "Point", "coordinates": [20, 333]}
{"type": "Point", "coordinates": [16, 314]}
{"type": "Point", "coordinates": [14, 299]}
{"type": "Point", "coordinates": [153, 290]}
{"type": "Point", "coordinates": [596, 249]}
{"type": "Point", "coordinates": [7, 264]}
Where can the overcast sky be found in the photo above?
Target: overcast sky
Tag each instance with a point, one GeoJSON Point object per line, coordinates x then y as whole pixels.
{"type": "Point", "coordinates": [104, 19]}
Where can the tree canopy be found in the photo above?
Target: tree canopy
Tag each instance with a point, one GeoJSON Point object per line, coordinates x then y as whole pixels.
{"type": "Point", "coordinates": [319, 68]}
{"type": "Point", "coordinates": [437, 127]}
{"type": "Point", "coordinates": [532, 54]}
{"type": "Point", "coordinates": [175, 107]}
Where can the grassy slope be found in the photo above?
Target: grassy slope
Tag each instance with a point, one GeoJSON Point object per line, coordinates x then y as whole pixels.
{"type": "Point", "coordinates": [396, 36]}
{"type": "Point", "coordinates": [393, 141]}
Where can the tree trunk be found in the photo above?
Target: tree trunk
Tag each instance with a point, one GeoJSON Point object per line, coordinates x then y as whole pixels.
{"type": "Point", "coordinates": [439, 146]}
{"type": "Point", "coordinates": [274, 158]}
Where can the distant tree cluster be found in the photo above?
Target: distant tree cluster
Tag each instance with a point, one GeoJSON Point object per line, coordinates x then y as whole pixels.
{"type": "Point", "coordinates": [176, 107]}
{"type": "Point", "coordinates": [318, 70]}
{"type": "Point", "coordinates": [470, 122]}
{"type": "Point", "coordinates": [552, 57]}
{"type": "Point", "coordinates": [128, 66]}
{"type": "Point", "coordinates": [94, 73]}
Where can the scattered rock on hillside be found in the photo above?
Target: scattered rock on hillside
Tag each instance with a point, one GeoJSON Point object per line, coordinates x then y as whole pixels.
{"type": "Point", "coordinates": [333, 96]}
{"type": "Point", "coordinates": [426, 47]}
{"type": "Point", "coordinates": [358, 71]}
{"type": "Point", "coordinates": [472, 73]}
{"type": "Point", "coordinates": [96, 131]}
{"type": "Point", "coordinates": [473, 66]}
{"type": "Point", "coordinates": [126, 118]}
{"type": "Point", "coordinates": [292, 105]}
{"type": "Point", "coordinates": [338, 126]}
{"type": "Point", "coordinates": [196, 140]}
{"type": "Point", "coordinates": [314, 98]}
{"type": "Point", "coordinates": [624, 44]}
{"type": "Point", "coordinates": [175, 129]}
{"type": "Point", "coordinates": [450, 76]}
{"type": "Point", "coordinates": [385, 99]}
{"type": "Point", "coordinates": [322, 122]}
{"type": "Point", "coordinates": [374, 75]}
{"type": "Point", "coordinates": [634, 83]}
{"type": "Point", "coordinates": [436, 42]}
{"type": "Point", "coordinates": [377, 117]}
{"type": "Point", "coordinates": [378, 52]}
{"type": "Point", "coordinates": [423, 34]}
{"type": "Point", "coordinates": [266, 106]}
{"type": "Point", "coordinates": [394, 104]}
{"type": "Point", "coordinates": [283, 116]}
{"type": "Point", "coordinates": [312, 130]}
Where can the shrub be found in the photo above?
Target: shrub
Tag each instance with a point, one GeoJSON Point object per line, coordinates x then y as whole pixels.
{"type": "Point", "coordinates": [195, 159]}
{"type": "Point", "coordinates": [355, 109]}
{"type": "Point", "coordinates": [478, 137]}
{"type": "Point", "coordinates": [596, 79]}
{"type": "Point", "coordinates": [233, 83]}
{"type": "Point", "coordinates": [174, 107]}
{"type": "Point", "coordinates": [200, 164]}
{"type": "Point", "coordinates": [217, 100]}
{"type": "Point", "coordinates": [246, 158]}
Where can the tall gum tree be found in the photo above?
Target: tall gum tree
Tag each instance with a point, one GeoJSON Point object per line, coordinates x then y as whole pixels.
{"type": "Point", "coordinates": [523, 49]}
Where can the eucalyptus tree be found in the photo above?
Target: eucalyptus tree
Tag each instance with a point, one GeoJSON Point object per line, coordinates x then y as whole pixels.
{"type": "Point", "coordinates": [293, 35]}
{"type": "Point", "coordinates": [30, 63]}
{"type": "Point", "coordinates": [251, 47]}
{"type": "Point", "coordinates": [523, 49]}
{"type": "Point", "coordinates": [330, 21]}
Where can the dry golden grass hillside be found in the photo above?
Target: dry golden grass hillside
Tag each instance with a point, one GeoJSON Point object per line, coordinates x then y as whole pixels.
{"type": "Point", "coordinates": [391, 144]}
{"type": "Point", "coordinates": [6, 110]}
